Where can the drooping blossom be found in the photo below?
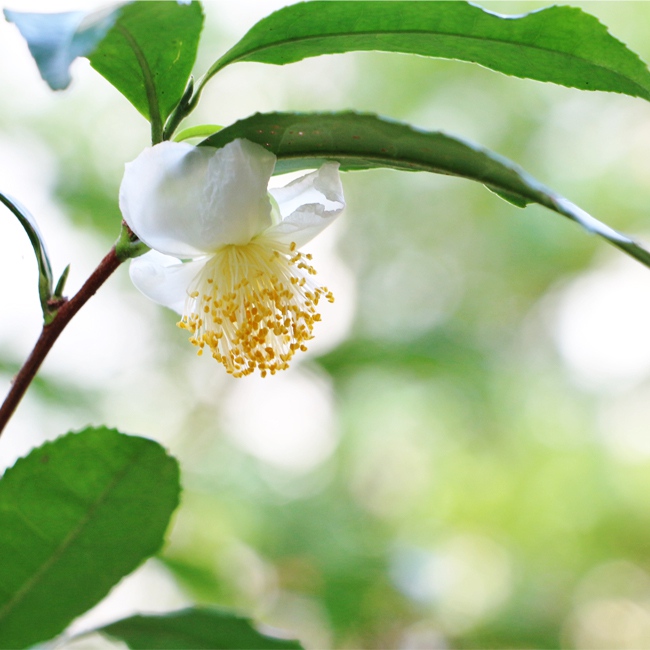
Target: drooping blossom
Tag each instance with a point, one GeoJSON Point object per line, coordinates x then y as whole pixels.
{"type": "Point", "coordinates": [225, 248]}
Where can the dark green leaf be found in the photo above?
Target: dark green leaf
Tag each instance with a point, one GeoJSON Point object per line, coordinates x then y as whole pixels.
{"type": "Point", "coordinates": [27, 221]}
{"type": "Point", "coordinates": [563, 45]}
{"type": "Point", "coordinates": [363, 141]}
{"type": "Point", "coordinates": [76, 515]}
{"type": "Point", "coordinates": [511, 198]}
{"type": "Point", "coordinates": [200, 629]}
{"type": "Point", "coordinates": [56, 40]}
{"type": "Point", "coordinates": [149, 53]}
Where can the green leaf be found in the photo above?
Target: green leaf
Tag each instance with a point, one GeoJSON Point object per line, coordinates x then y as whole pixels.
{"type": "Point", "coordinates": [56, 40]}
{"type": "Point", "coordinates": [45, 279]}
{"type": "Point", "coordinates": [199, 131]}
{"type": "Point", "coordinates": [517, 201]}
{"type": "Point", "coordinates": [364, 141]}
{"type": "Point", "coordinates": [563, 45]}
{"type": "Point", "coordinates": [76, 515]}
{"type": "Point", "coordinates": [148, 56]}
{"type": "Point", "coordinates": [199, 628]}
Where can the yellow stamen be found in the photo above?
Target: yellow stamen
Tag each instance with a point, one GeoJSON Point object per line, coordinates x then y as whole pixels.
{"type": "Point", "coordinates": [253, 306]}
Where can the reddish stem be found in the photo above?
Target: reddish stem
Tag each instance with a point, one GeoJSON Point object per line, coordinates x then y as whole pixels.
{"type": "Point", "coordinates": [51, 333]}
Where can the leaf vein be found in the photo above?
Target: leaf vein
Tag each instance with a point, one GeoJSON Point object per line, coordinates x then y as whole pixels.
{"type": "Point", "coordinates": [21, 593]}
{"type": "Point", "coordinates": [149, 84]}
{"type": "Point", "coordinates": [645, 92]}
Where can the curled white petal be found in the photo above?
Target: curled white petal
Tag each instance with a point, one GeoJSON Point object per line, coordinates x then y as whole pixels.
{"type": "Point", "coordinates": [307, 205]}
{"type": "Point", "coordinates": [164, 279]}
{"type": "Point", "coordinates": [188, 201]}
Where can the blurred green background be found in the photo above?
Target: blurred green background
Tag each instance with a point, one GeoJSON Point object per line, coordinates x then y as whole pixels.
{"type": "Point", "coordinates": [462, 460]}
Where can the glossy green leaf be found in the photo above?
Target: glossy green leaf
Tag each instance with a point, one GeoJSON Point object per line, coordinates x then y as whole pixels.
{"type": "Point", "coordinates": [364, 141]}
{"type": "Point", "coordinates": [563, 45]}
{"type": "Point", "coordinates": [55, 40]}
{"type": "Point", "coordinates": [76, 515]}
{"type": "Point", "coordinates": [27, 221]}
{"type": "Point", "coordinates": [148, 55]}
{"type": "Point", "coordinates": [200, 629]}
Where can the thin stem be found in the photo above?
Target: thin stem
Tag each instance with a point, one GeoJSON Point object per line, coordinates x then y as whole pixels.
{"type": "Point", "coordinates": [51, 333]}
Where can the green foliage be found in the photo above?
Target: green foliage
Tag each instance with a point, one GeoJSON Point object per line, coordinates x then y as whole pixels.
{"type": "Point", "coordinates": [77, 515]}
{"type": "Point", "coordinates": [362, 141]}
{"type": "Point", "coordinates": [466, 459]}
{"type": "Point", "coordinates": [200, 628]}
{"type": "Point", "coordinates": [149, 54]}
{"type": "Point", "coordinates": [562, 45]}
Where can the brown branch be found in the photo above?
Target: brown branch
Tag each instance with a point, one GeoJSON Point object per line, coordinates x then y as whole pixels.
{"type": "Point", "coordinates": [51, 333]}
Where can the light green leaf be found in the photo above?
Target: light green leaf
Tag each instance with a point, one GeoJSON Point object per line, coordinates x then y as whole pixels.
{"type": "Point", "coordinates": [364, 141]}
{"type": "Point", "coordinates": [45, 280]}
{"type": "Point", "coordinates": [563, 45]}
{"type": "Point", "coordinates": [199, 629]}
{"type": "Point", "coordinates": [55, 40]}
{"type": "Point", "coordinates": [76, 515]}
{"type": "Point", "coordinates": [148, 56]}
{"type": "Point", "coordinates": [200, 131]}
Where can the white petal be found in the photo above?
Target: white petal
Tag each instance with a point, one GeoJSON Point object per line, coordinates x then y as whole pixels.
{"type": "Point", "coordinates": [188, 201]}
{"type": "Point", "coordinates": [164, 279]}
{"type": "Point", "coordinates": [308, 205]}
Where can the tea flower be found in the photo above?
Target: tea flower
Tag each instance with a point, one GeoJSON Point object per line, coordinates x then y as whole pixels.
{"type": "Point", "coordinates": [224, 248]}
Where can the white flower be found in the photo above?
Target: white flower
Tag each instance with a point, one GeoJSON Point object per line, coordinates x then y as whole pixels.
{"type": "Point", "coordinates": [224, 248]}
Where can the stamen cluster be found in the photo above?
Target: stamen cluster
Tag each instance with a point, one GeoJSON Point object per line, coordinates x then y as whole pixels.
{"type": "Point", "coordinates": [253, 306]}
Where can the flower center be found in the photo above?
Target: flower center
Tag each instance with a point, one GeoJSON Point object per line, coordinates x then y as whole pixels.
{"type": "Point", "coordinates": [254, 306]}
